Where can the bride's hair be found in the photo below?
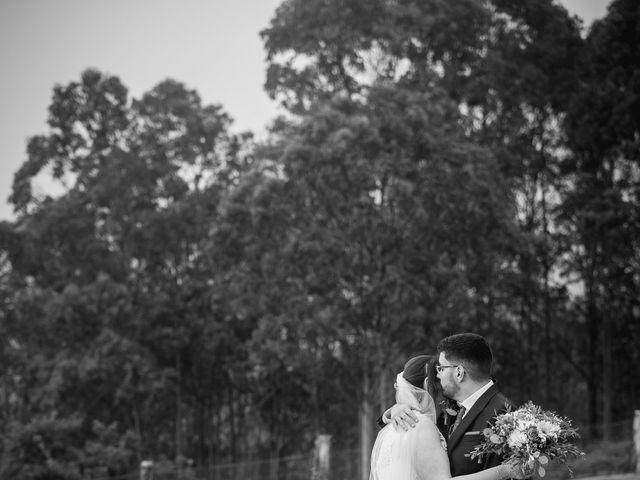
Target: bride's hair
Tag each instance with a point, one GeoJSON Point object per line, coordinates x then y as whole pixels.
{"type": "Point", "coordinates": [413, 388]}
{"type": "Point", "coordinates": [432, 382]}
{"type": "Point", "coordinates": [415, 370]}
{"type": "Point", "coordinates": [420, 371]}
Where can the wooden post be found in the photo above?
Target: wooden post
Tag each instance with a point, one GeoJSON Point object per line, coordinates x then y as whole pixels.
{"type": "Point", "coordinates": [636, 438]}
{"type": "Point", "coordinates": [322, 458]}
{"type": "Point", "coordinates": [146, 470]}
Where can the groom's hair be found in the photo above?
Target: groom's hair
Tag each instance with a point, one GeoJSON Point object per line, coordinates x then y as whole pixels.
{"type": "Point", "coordinates": [470, 350]}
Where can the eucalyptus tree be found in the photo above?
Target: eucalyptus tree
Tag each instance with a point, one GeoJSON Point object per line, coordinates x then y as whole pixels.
{"type": "Point", "coordinates": [516, 96]}
{"type": "Point", "coordinates": [386, 218]}
{"type": "Point", "coordinates": [510, 68]}
{"type": "Point", "coordinates": [111, 303]}
{"type": "Point", "coordinates": [601, 209]}
{"type": "Point", "coordinates": [67, 295]}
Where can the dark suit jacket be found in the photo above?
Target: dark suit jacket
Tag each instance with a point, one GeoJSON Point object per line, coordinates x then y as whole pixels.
{"type": "Point", "coordinates": [468, 434]}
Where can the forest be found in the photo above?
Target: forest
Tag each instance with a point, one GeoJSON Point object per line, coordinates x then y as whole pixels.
{"type": "Point", "coordinates": [444, 166]}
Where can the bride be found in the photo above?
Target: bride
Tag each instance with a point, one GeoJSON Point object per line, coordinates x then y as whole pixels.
{"type": "Point", "coordinates": [421, 452]}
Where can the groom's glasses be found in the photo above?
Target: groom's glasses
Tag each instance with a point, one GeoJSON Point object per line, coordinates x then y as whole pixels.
{"type": "Point", "coordinates": [439, 368]}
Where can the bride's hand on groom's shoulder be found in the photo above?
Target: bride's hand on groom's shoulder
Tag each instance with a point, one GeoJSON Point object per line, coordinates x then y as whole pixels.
{"type": "Point", "coordinates": [402, 417]}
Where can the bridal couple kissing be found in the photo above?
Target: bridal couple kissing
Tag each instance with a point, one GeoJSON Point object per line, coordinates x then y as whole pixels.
{"type": "Point", "coordinates": [421, 438]}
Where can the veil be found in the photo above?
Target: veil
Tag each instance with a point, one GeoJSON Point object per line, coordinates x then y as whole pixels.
{"type": "Point", "coordinates": [394, 453]}
{"type": "Point", "coordinates": [417, 398]}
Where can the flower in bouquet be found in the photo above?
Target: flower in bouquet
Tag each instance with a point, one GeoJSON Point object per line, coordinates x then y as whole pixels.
{"type": "Point", "coordinates": [529, 438]}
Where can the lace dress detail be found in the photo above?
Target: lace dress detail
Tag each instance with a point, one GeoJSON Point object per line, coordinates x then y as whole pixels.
{"type": "Point", "coordinates": [393, 452]}
{"type": "Point", "coordinates": [383, 463]}
{"type": "Point", "coordinates": [409, 455]}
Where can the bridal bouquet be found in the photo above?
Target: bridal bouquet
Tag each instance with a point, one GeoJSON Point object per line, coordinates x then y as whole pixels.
{"type": "Point", "coordinates": [530, 437]}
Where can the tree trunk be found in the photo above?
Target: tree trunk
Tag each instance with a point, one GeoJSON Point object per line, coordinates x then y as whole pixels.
{"type": "Point", "coordinates": [138, 429]}
{"type": "Point", "coordinates": [607, 372]}
{"type": "Point", "coordinates": [211, 438]}
{"type": "Point", "coordinates": [178, 451]}
{"type": "Point", "coordinates": [547, 296]}
{"type": "Point", "coordinates": [232, 424]}
{"type": "Point", "coordinates": [367, 421]}
{"type": "Point", "coordinates": [322, 458]}
{"type": "Point", "coordinates": [201, 426]}
{"type": "Point", "coordinates": [383, 398]}
{"type": "Point", "coordinates": [593, 382]}
{"type": "Point", "coordinates": [636, 438]}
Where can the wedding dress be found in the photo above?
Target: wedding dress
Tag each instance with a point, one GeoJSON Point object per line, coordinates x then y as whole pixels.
{"type": "Point", "coordinates": [410, 455]}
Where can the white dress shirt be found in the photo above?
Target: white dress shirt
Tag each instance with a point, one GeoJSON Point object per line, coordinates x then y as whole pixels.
{"type": "Point", "coordinates": [468, 402]}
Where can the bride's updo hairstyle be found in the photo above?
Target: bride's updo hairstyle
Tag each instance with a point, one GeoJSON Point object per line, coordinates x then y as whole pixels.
{"type": "Point", "coordinates": [432, 382]}
{"type": "Point", "coordinates": [412, 386]}
{"type": "Point", "coordinates": [415, 370]}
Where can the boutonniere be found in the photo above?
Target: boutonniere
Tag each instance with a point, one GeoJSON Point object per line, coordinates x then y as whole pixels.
{"type": "Point", "coordinates": [449, 411]}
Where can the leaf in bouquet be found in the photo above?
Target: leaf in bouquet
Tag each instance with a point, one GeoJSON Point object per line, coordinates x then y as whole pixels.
{"type": "Point", "coordinates": [494, 438]}
{"type": "Point", "coordinates": [543, 460]}
{"type": "Point", "coordinates": [541, 471]}
{"type": "Point", "coordinates": [487, 432]}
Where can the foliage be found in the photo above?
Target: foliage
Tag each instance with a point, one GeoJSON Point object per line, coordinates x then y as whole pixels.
{"type": "Point", "coordinates": [195, 297]}
{"type": "Point", "coordinates": [66, 448]}
{"type": "Point", "coordinates": [529, 438]}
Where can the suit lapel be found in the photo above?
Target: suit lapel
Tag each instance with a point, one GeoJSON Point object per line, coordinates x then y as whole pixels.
{"type": "Point", "coordinates": [471, 415]}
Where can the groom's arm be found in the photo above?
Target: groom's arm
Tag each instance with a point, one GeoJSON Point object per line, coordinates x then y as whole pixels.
{"type": "Point", "coordinates": [384, 419]}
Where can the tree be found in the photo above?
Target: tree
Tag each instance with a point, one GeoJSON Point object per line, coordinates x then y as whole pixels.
{"type": "Point", "coordinates": [108, 275]}
{"type": "Point", "coordinates": [379, 215]}
{"type": "Point", "coordinates": [601, 206]}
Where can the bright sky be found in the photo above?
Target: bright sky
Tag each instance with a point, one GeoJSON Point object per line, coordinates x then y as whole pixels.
{"type": "Point", "coordinates": [212, 46]}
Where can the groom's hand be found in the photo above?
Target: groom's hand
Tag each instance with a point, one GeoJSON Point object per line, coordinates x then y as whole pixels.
{"type": "Point", "coordinates": [402, 417]}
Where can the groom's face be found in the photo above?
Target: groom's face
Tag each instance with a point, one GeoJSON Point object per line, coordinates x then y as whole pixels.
{"type": "Point", "coordinates": [450, 387]}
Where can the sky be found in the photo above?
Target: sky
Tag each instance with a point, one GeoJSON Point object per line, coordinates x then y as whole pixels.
{"type": "Point", "coordinates": [212, 46]}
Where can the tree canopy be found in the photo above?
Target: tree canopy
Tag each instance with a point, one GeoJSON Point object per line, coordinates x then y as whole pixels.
{"type": "Point", "coordinates": [444, 167]}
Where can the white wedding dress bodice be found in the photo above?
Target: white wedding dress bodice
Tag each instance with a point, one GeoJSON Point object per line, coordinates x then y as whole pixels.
{"type": "Point", "coordinates": [394, 453]}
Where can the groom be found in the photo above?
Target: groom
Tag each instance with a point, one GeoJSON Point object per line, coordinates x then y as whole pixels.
{"type": "Point", "coordinates": [464, 370]}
